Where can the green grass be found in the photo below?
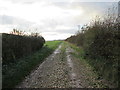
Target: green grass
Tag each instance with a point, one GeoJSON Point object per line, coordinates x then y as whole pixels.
{"type": "Point", "coordinates": [102, 70]}
{"type": "Point", "coordinates": [63, 49]}
{"type": "Point", "coordinates": [14, 73]}
{"type": "Point", "coordinates": [93, 73]}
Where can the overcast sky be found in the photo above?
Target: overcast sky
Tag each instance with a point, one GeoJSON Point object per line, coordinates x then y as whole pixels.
{"type": "Point", "coordinates": [54, 19]}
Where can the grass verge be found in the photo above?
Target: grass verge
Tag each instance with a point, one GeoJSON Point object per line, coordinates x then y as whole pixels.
{"type": "Point", "coordinates": [14, 73]}
{"type": "Point", "coordinates": [94, 79]}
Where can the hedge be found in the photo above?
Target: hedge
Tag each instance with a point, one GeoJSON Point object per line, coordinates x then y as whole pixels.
{"type": "Point", "coordinates": [17, 46]}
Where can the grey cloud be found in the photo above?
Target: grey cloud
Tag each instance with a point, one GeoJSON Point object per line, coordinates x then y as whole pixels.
{"type": "Point", "coordinates": [85, 5]}
{"type": "Point", "coordinates": [15, 22]}
{"type": "Point", "coordinates": [29, 1]}
{"type": "Point", "coordinates": [58, 2]}
{"type": "Point", "coordinates": [6, 19]}
{"type": "Point", "coordinates": [12, 20]}
{"type": "Point", "coordinates": [63, 31]}
{"type": "Point", "coordinates": [22, 1]}
{"type": "Point", "coordinates": [68, 31]}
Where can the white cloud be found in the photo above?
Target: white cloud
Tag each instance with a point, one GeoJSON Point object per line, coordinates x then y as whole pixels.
{"type": "Point", "coordinates": [70, 1]}
{"type": "Point", "coordinates": [55, 35]}
{"type": "Point", "coordinates": [54, 19]}
{"type": "Point", "coordinates": [6, 28]}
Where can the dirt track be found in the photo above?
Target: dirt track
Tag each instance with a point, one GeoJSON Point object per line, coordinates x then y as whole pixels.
{"type": "Point", "coordinates": [59, 70]}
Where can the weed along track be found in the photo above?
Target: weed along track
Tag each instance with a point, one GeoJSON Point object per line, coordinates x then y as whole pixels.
{"type": "Point", "coordinates": [60, 70]}
{"type": "Point", "coordinates": [75, 82]}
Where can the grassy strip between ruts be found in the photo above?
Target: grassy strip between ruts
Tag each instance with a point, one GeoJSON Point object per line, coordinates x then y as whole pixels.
{"type": "Point", "coordinates": [14, 73]}
{"type": "Point", "coordinates": [96, 81]}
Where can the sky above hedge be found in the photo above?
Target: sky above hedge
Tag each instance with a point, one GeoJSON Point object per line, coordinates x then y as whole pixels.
{"type": "Point", "coordinates": [54, 19]}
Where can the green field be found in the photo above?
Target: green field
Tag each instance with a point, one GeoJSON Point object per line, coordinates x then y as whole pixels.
{"type": "Point", "coordinates": [15, 72]}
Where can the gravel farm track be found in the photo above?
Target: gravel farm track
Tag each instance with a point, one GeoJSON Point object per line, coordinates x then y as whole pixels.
{"type": "Point", "coordinates": [61, 70]}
